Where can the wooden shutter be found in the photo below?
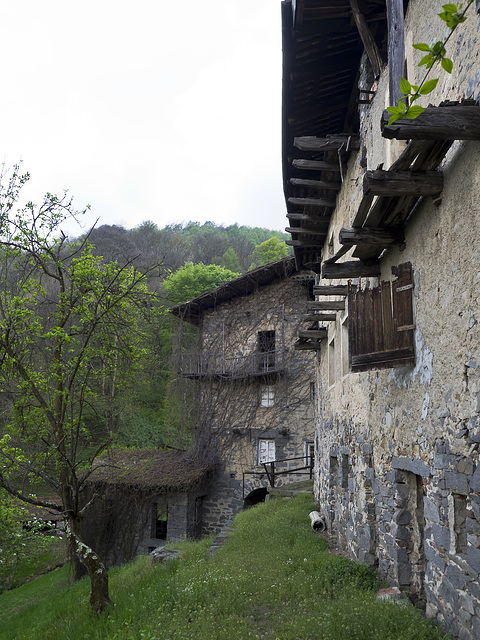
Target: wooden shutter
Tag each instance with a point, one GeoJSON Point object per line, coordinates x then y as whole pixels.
{"type": "Point", "coordinates": [381, 327]}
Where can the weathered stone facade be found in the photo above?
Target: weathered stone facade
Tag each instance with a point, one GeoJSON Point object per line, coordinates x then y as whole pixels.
{"type": "Point", "coordinates": [398, 466]}
{"type": "Point", "coordinates": [255, 390]}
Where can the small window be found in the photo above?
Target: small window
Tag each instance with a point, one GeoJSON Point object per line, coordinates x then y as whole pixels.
{"type": "Point", "coordinates": [161, 520]}
{"type": "Point", "coordinates": [266, 450]}
{"type": "Point", "coordinates": [309, 452]}
{"type": "Point", "coordinates": [312, 392]}
{"type": "Point", "coordinates": [266, 350]}
{"type": "Point", "coordinates": [331, 362]}
{"type": "Point", "coordinates": [344, 336]}
{"type": "Point", "coordinates": [267, 395]}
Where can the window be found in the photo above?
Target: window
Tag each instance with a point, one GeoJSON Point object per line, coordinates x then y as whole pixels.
{"type": "Point", "coordinates": [331, 362]}
{"type": "Point", "coordinates": [266, 350]}
{"type": "Point", "coordinates": [267, 395]}
{"type": "Point", "coordinates": [312, 391]}
{"type": "Point", "coordinates": [161, 518]}
{"type": "Point", "coordinates": [457, 518]}
{"type": "Point", "coordinates": [381, 328]}
{"type": "Point", "coordinates": [266, 450]}
{"type": "Point", "coordinates": [309, 452]}
{"type": "Point", "coordinates": [344, 336]}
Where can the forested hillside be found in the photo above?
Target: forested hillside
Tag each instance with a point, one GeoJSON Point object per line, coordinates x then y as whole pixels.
{"type": "Point", "coordinates": [234, 247]}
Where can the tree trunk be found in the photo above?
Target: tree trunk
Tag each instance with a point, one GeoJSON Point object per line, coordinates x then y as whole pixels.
{"type": "Point", "coordinates": [99, 598]}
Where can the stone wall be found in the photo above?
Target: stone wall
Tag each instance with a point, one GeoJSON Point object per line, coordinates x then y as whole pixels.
{"type": "Point", "coordinates": [230, 409]}
{"type": "Point", "coordinates": [397, 450]}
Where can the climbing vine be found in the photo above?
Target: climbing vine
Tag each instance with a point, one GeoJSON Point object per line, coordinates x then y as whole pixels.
{"type": "Point", "coordinates": [435, 53]}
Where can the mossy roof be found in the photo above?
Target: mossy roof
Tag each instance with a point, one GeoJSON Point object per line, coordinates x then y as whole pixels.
{"type": "Point", "coordinates": [149, 469]}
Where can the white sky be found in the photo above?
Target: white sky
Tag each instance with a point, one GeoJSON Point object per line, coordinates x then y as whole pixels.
{"type": "Point", "coordinates": [149, 110]}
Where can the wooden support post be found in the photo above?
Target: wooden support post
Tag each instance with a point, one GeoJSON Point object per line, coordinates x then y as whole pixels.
{"type": "Point", "coordinates": [350, 269]}
{"type": "Point", "coordinates": [318, 334]}
{"type": "Point", "coordinates": [312, 202]}
{"type": "Point", "coordinates": [436, 123]}
{"type": "Point", "coordinates": [316, 184]}
{"type": "Point", "coordinates": [396, 48]}
{"type": "Point", "coordinates": [402, 183]}
{"type": "Point", "coordinates": [311, 143]}
{"type": "Point", "coordinates": [320, 317]}
{"type": "Point", "coordinates": [368, 41]}
{"type": "Point", "coordinates": [307, 230]}
{"type": "Point", "coordinates": [331, 290]}
{"type": "Point", "coordinates": [304, 244]}
{"type": "Point", "coordinates": [376, 236]}
{"type": "Point", "coordinates": [325, 305]}
{"type": "Point", "coordinates": [315, 165]}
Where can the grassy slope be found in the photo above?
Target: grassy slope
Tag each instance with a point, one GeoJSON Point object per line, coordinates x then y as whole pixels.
{"type": "Point", "coordinates": [274, 579]}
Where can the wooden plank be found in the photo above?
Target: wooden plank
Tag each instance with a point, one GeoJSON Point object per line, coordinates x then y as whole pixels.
{"type": "Point", "coordinates": [314, 345]}
{"type": "Point", "coordinates": [384, 359]}
{"type": "Point", "coordinates": [320, 317]}
{"type": "Point", "coordinates": [307, 230]}
{"type": "Point", "coordinates": [402, 183]}
{"type": "Point", "coordinates": [350, 269]}
{"type": "Point", "coordinates": [312, 202]}
{"type": "Point", "coordinates": [371, 235]}
{"type": "Point", "coordinates": [368, 40]}
{"type": "Point", "coordinates": [318, 334]}
{"type": "Point", "coordinates": [312, 143]}
{"type": "Point", "coordinates": [315, 165]}
{"type": "Point", "coordinates": [316, 220]}
{"type": "Point", "coordinates": [341, 252]}
{"type": "Point", "coordinates": [316, 184]}
{"type": "Point", "coordinates": [331, 290]}
{"type": "Point", "coordinates": [436, 123]}
{"type": "Point", "coordinates": [363, 210]}
{"type": "Point", "coordinates": [324, 305]}
{"type": "Point", "coordinates": [396, 48]}
{"type": "Point", "coordinates": [304, 244]}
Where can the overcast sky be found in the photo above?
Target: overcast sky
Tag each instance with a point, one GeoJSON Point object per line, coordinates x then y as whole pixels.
{"type": "Point", "coordinates": [149, 110]}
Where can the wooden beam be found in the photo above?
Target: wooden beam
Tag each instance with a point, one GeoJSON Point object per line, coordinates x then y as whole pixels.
{"type": "Point", "coordinates": [311, 143]}
{"type": "Point", "coordinates": [304, 244]}
{"type": "Point", "coordinates": [368, 41]}
{"type": "Point", "coordinates": [318, 334]}
{"type": "Point", "coordinates": [322, 222]}
{"type": "Point", "coordinates": [314, 345]}
{"type": "Point", "coordinates": [320, 317]}
{"type": "Point", "coordinates": [316, 184]}
{"type": "Point", "coordinates": [307, 231]}
{"type": "Point", "coordinates": [350, 269]}
{"type": "Point", "coordinates": [315, 165]}
{"type": "Point", "coordinates": [402, 183]}
{"type": "Point", "coordinates": [396, 48]}
{"type": "Point", "coordinates": [436, 123]}
{"type": "Point", "coordinates": [331, 290]}
{"type": "Point", "coordinates": [324, 305]}
{"type": "Point", "coordinates": [366, 235]}
{"type": "Point", "coordinates": [312, 202]}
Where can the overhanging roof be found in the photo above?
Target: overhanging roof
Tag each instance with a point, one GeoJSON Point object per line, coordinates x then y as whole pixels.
{"type": "Point", "coordinates": [239, 287]}
{"type": "Point", "coordinates": [322, 48]}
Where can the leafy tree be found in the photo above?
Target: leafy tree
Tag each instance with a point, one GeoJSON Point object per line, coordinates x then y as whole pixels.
{"type": "Point", "coordinates": [69, 337]}
{"type": "Point", "coordinates": [269, 251]}
{"type": "Point", "coordinates": [230, 260]}
{"type": "Point", "coordinates": [193, 279]}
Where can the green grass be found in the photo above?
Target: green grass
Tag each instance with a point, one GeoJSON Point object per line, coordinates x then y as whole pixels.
{"type": "Point", "coordinates": [274, 579]}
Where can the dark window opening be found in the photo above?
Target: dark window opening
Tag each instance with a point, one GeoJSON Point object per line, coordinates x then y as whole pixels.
{"type": "Point", "coordinates": [381, 329]}
{"type": "Point", "coordinates": [161, 521]}
{"type": "Point", "coordinates": [266, 350]}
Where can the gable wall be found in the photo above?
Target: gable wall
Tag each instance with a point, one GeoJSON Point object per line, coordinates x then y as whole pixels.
{"type": "Point", "coordinates": [230, 410]}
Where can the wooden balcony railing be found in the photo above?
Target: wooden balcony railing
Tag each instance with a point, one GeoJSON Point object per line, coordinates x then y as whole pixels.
{"type": "Point", "coordinates": [198, 365]}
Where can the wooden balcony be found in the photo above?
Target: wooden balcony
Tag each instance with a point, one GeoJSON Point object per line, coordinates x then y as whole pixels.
{"type": "Point", "coordinates": [218, 365]}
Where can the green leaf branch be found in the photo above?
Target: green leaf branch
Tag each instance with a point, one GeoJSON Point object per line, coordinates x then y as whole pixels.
{"type": "Point", "coordinates": [452, 15]}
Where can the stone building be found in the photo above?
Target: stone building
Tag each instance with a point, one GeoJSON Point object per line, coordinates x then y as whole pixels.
{"type": "Point", "coordinates": [145, 497]}
{"type": "Point", "coordinates": [255, 389]}
{"type": "Point", "coordinates": [389, 219]}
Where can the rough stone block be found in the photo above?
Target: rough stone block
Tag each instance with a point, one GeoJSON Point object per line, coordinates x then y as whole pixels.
{"type": "Point", "coordinates": [449, 594]}
{"type": "Point", "coordinates": [457, 482]}
{"type": "Point", "coordinates": [402, 533]}
{"type": "Point", "coordinates": [473, 558]}
{"type": "Point", "coordinates": [418, 467]}
{"type": "Point", "coordinates": [402, 517]}
{"type": "Point", "coordinates": [456, 576]}
{"type": "Point", "coordinates": [404, 574]}
{"type": "Point", "coordinates": [441, 536]}
{"type": "Point", "coordinates": [475, 480]}
{"type": "Point", "coordinates": [434, 558]}
{"type": "Point", "coordinates": [443, 461]}
{"type": "Point", "coordinates": [431, 510]}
